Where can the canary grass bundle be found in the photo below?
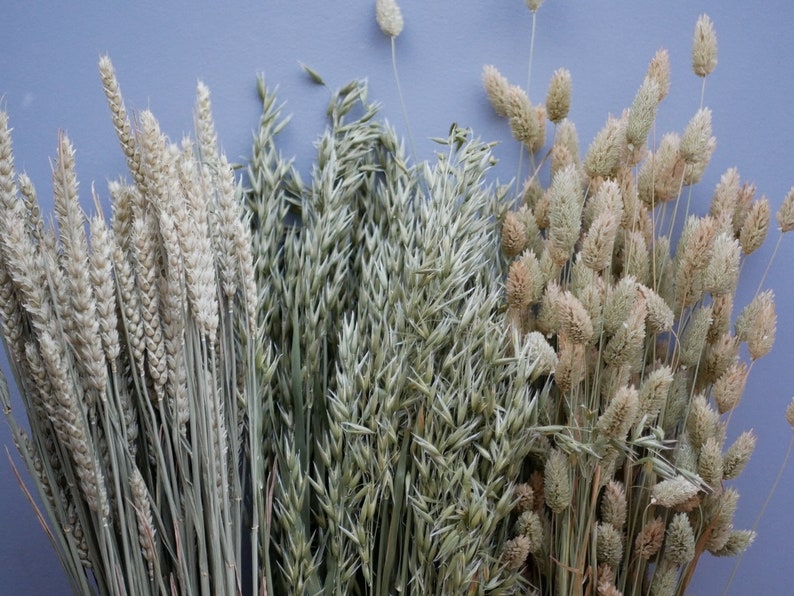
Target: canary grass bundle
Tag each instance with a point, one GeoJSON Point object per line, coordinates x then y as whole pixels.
{"type": "Point", "coordinates": [640, 344]}
{"type": "Point", "coordinates": [133, 344]}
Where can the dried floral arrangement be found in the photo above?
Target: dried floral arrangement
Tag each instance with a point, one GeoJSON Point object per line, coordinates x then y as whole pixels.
{"type": "Point", "coordinates": [397, 376]}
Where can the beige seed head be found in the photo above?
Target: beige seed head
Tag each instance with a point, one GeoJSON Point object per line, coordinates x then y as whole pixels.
{"type": "Point", "coordinates": [524, 124]}
{"type": "Point", "coordinates": [524, 496]}
{"type": "Point", "coordinates": [533, 5]}
{"type": "Point", "coordinates": [514, 235]}
{"type": "Point", "coordinates": [653, 393]}
{"type": "Point", "coordinates": [541, 351]}
{"type": "Point", "coordinates": [756, 226]}
{"type": "Point", "coordinates": [790, 413]}
{"type": "Point", "coordinates": [728, 389]}
{"type": "Point", "coordinates": [738, 541]}
{"type": "Point", "coordinates": [609, 545]}
{"type": "Point", "coordinates": [694, 146]}
{"type": "Point", "coordinates": [672, 492]}
{"type": "Point", "coordinates": [704, 47]}
{"type": "Point", "coordinates": [576, 323]}
{"type": "Point", "coordinates": [530, 525]}
{"type": "Point", "coordinates": [659, 71]}
{"type": "Point", "coordinates": [642, 113]}
{"type": "Point", "coordinates": [519, 286]}
{"type": "Point", "coordinates": [613, 504]}
{"type": "Point", "coordinates": [389, 17]}
{"type": "Point", "coordinates": [566, 201]}
{"type": "Point", "coordinates": [785, 215]}
{"type": "Point", "coordinates": [603, 156]}
{"type": "Point", "coordinates": [757, 324]}
{"type": "Point", "coordinates": [680, 545]}
{"type": "Point", "coordinates": [703, 422]}
{"type": "Point", "coordinates": [724, 200]}
{"type": "Point", "coordinates": [710, 463]}
{"type": "Point", "coordinates": [650, 539]}
{"type": "Point", "coordinates": [620, 414]}
{"type": "Point", "coordinates": [558, 96]}
{"type": "Point", "coordinates": [497, 88]}
{"type": "Point", "coordinates": [738, 454]}
{"type": "Point", "coordinates": [515, 551]}
{"type": "Point", "coordinates": [557, 482]}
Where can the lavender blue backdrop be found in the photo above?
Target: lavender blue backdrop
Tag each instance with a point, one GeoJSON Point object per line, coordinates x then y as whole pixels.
{"type": "Point", "coordinates": [48, 81]}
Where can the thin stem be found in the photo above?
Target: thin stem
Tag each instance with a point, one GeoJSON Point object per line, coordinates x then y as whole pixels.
{"type": "Point", "coordinates": [529, 82]}
{"type": "Point", "coordinates": [763, 508]}
{"type": "Point", "coordinates": [402, 98]}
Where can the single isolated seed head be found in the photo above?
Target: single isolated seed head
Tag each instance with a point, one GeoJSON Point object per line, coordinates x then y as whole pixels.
{"type": "Point", "coordinates": [389, 17]}
{"type": "Point", "coordinates": [533, 5]}
{"type": "Point", "coordinates": [704, 47]}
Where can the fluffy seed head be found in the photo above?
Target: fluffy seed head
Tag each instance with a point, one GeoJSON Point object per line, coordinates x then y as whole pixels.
{"type": "Point", "coordinates": [757, 324]}
{"type": "Point", "coordinates": [609, 545]}
{"type": "Point", "coordinates": [389, 17]}
{"type": "Point", "coordinates": [728, 389]}
{"type": "Point", "coordinates": [642, 113]}
{"type": "Point", "coordinates": [659, 71]}
{"type": "Point", "coordinates": [704, 47]}
{"type": "Point", "coordinates": [673, 492]}
{"type": "Point", "coordinates": [650, 539]}
{"type": "Point", "coordinates": [514, 234]}
{"type": "Point", "coordinates": [756, 226]}
{"type": "Point", "coordinates": [515, 551]}
{"type": "Point", "coordinates": [557, 482]}
{"type": "Point", "coordinates": [620, 414]}
{"type": "Point", "coordinates": [680, 547]}
{"type": "Point", "coordinates": [497, 88]}
{"type": "Point", "coordinates": [613, 504]}
{"type": "Point", "coordinates": [785, 215]}
{"type": "Point", "coordinates": [738, 454]}
{"type": "Point", "coordinates": [558, 96]}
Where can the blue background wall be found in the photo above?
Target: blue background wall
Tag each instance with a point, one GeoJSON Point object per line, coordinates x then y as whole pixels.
{"type": "Point", "coordinates": [48, 81]}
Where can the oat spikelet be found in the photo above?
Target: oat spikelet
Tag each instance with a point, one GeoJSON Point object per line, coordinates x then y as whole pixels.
{"type": "Point", "coordinates": [558, 96]}
{"type": "Point", "coordinates": [389, 17]}
{"type": "Point", "coordinates": [497, 88]}
{"type": "Point", "coordinates": [704, 47]}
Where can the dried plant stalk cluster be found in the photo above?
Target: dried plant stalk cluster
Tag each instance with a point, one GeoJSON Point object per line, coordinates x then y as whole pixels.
{"type": "Point", "coordinates": [132, 345]}
{"type": "Point", "coordinates": [399, 415]}
{"type": "Point", "coordinates": [635, 342]}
